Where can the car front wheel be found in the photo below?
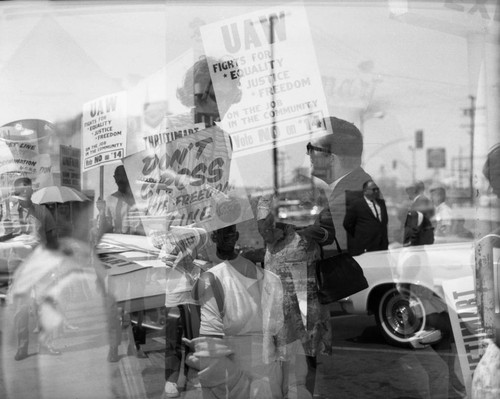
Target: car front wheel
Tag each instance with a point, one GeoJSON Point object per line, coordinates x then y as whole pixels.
{"type": "Point", "coordinates": [400, 314]}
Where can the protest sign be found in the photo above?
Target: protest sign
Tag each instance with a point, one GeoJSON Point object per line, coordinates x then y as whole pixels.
{"type": "Point", "coordinates": [20, 147]}
{"type": "Point", "coordinates": [44, 176]}
{"type": "Point", "coordinates": [167, 133]}
{"type": "Point", "coordinates": [26, 150]}
{"type": "Point", "coordinates": [470, 337]}
{"type": "Point", "coordinates": [70, 159]}
{"type": "Point", "coordinates": [187, 182]}
{"type": "Point", "coordinates": [270, 55]}
{"type": "Point", "coordinates": [7, 160]}
{"type": "Point", "coordinates": [104, 130]}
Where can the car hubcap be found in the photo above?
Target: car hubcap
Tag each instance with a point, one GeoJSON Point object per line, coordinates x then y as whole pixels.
{"type": "Point", "coordinates": [402, 313]}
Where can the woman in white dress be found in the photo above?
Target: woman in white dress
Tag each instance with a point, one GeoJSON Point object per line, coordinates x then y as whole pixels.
{"type": "Point", "coordinates": [241, 315]}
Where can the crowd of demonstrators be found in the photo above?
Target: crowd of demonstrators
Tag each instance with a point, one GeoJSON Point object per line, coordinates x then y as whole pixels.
{"type": "Point", "coordinates": [262, 327]}
{"type": "Point", "coordinates": [252, 331]}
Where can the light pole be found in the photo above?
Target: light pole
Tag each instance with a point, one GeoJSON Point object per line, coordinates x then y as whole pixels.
{"type": "Point", "coordinates": [413, 150]}
{"type": "Point", "coordinates": [472, 113]}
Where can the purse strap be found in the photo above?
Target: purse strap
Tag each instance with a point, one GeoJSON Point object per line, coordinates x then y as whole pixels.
{"type": "Point", "coordinates": [336, 243]}
{"type": "Point", "coordinates": [217, 290]}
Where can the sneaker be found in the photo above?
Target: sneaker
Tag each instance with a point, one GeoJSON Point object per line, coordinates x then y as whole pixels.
{"type": "Point", "coordinates": [424, 338]}
{"type": "Point", "coordinates": [171, 390]}
{"type": "Point", "coordinates": [141, 354]}
{"type": "Point", "coordinates": [48, 350]}
{"type": "Point", "coordinates": [21, 354]}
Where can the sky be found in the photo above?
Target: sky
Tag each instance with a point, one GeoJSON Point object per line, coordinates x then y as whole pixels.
{"type": "Point", "coordinates": [418, 61]}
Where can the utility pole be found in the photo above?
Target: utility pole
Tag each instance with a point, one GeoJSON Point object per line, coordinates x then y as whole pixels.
{"type": "Point", "coordinates": [413, 162]}
{"type": "Point", "coordinates": [418, 144]}
{"type": "Point", "coordinates": [471, 113]}
{"type": "Point", "coordinates": [274, 128]}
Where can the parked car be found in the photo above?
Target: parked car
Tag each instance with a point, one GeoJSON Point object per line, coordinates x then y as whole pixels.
{"type": "Point", "coordinates": [405, 285]}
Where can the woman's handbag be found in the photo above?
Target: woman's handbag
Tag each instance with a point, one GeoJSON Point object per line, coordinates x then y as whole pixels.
{"type": "Point", "coordinates": [338, 277]}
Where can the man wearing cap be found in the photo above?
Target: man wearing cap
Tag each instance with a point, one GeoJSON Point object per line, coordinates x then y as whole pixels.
{"type": "Point", "coordinates": [34, 220]}
{"type": "Point", "coordinates": [336, 159]}
{"type": "Point", "coordinates": [443, 215]}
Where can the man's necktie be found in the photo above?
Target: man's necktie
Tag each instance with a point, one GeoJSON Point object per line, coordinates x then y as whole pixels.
{"type": "Point", "coordinates": [376, 212]}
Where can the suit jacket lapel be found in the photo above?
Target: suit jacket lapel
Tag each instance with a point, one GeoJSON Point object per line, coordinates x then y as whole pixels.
{"type": "Point", "coordinates": [371, 211]}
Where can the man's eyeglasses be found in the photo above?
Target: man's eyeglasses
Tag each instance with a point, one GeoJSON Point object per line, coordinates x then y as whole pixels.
{"type": "Point", "coordinates": [310, 148]}
{"type": "Point", "coordinates": [373, 189]}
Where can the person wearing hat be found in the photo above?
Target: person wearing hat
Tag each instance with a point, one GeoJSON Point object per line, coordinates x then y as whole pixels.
{"type": "Point", "coordinates": [336, 159]}
{"type": "Point", "coordinates": [443, 215]}
{"type": "Point", "coordinates": [34, 219]}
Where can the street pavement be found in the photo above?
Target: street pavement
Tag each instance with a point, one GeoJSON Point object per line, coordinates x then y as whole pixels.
{"type": "Point", "coordinates": [362, 365]}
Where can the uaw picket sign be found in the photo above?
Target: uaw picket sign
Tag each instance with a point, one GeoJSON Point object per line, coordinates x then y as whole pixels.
{"type": "Point", "coordinates": [187, 182]}
{"type": "Point", "coordinates": [104, 130]}
{"type": "Point", "coordinates": [167, 134]}
{"type": "Point", "coordinates": [470, 337]}
{"type": "Point", "coordinates": [270, 56]}
{"type": "Point", "coordinates": [21, 143]}
{"type": "Point", "coordinates": [70, 162]}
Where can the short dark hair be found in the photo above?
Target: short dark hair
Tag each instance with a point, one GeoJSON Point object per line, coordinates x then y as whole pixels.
{"type": "Point", "coordinates": [224, 230]}
{"type": "Point", "coordinates": [120, 168]}
{"type": "Point", "coordinates": [345, 139]}
{"type": "Point", "coordinates": [21, 180]}
{"type": "Point", "coordinates": [365, 184]}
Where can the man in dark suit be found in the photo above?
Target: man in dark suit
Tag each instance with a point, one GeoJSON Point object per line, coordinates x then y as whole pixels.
{"type": "Point", "coordinates": [366, 222]}
{"type": "Point", "coordinates": [336, 159]}
{"type": "Point", "coordinates": [418, 229]}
